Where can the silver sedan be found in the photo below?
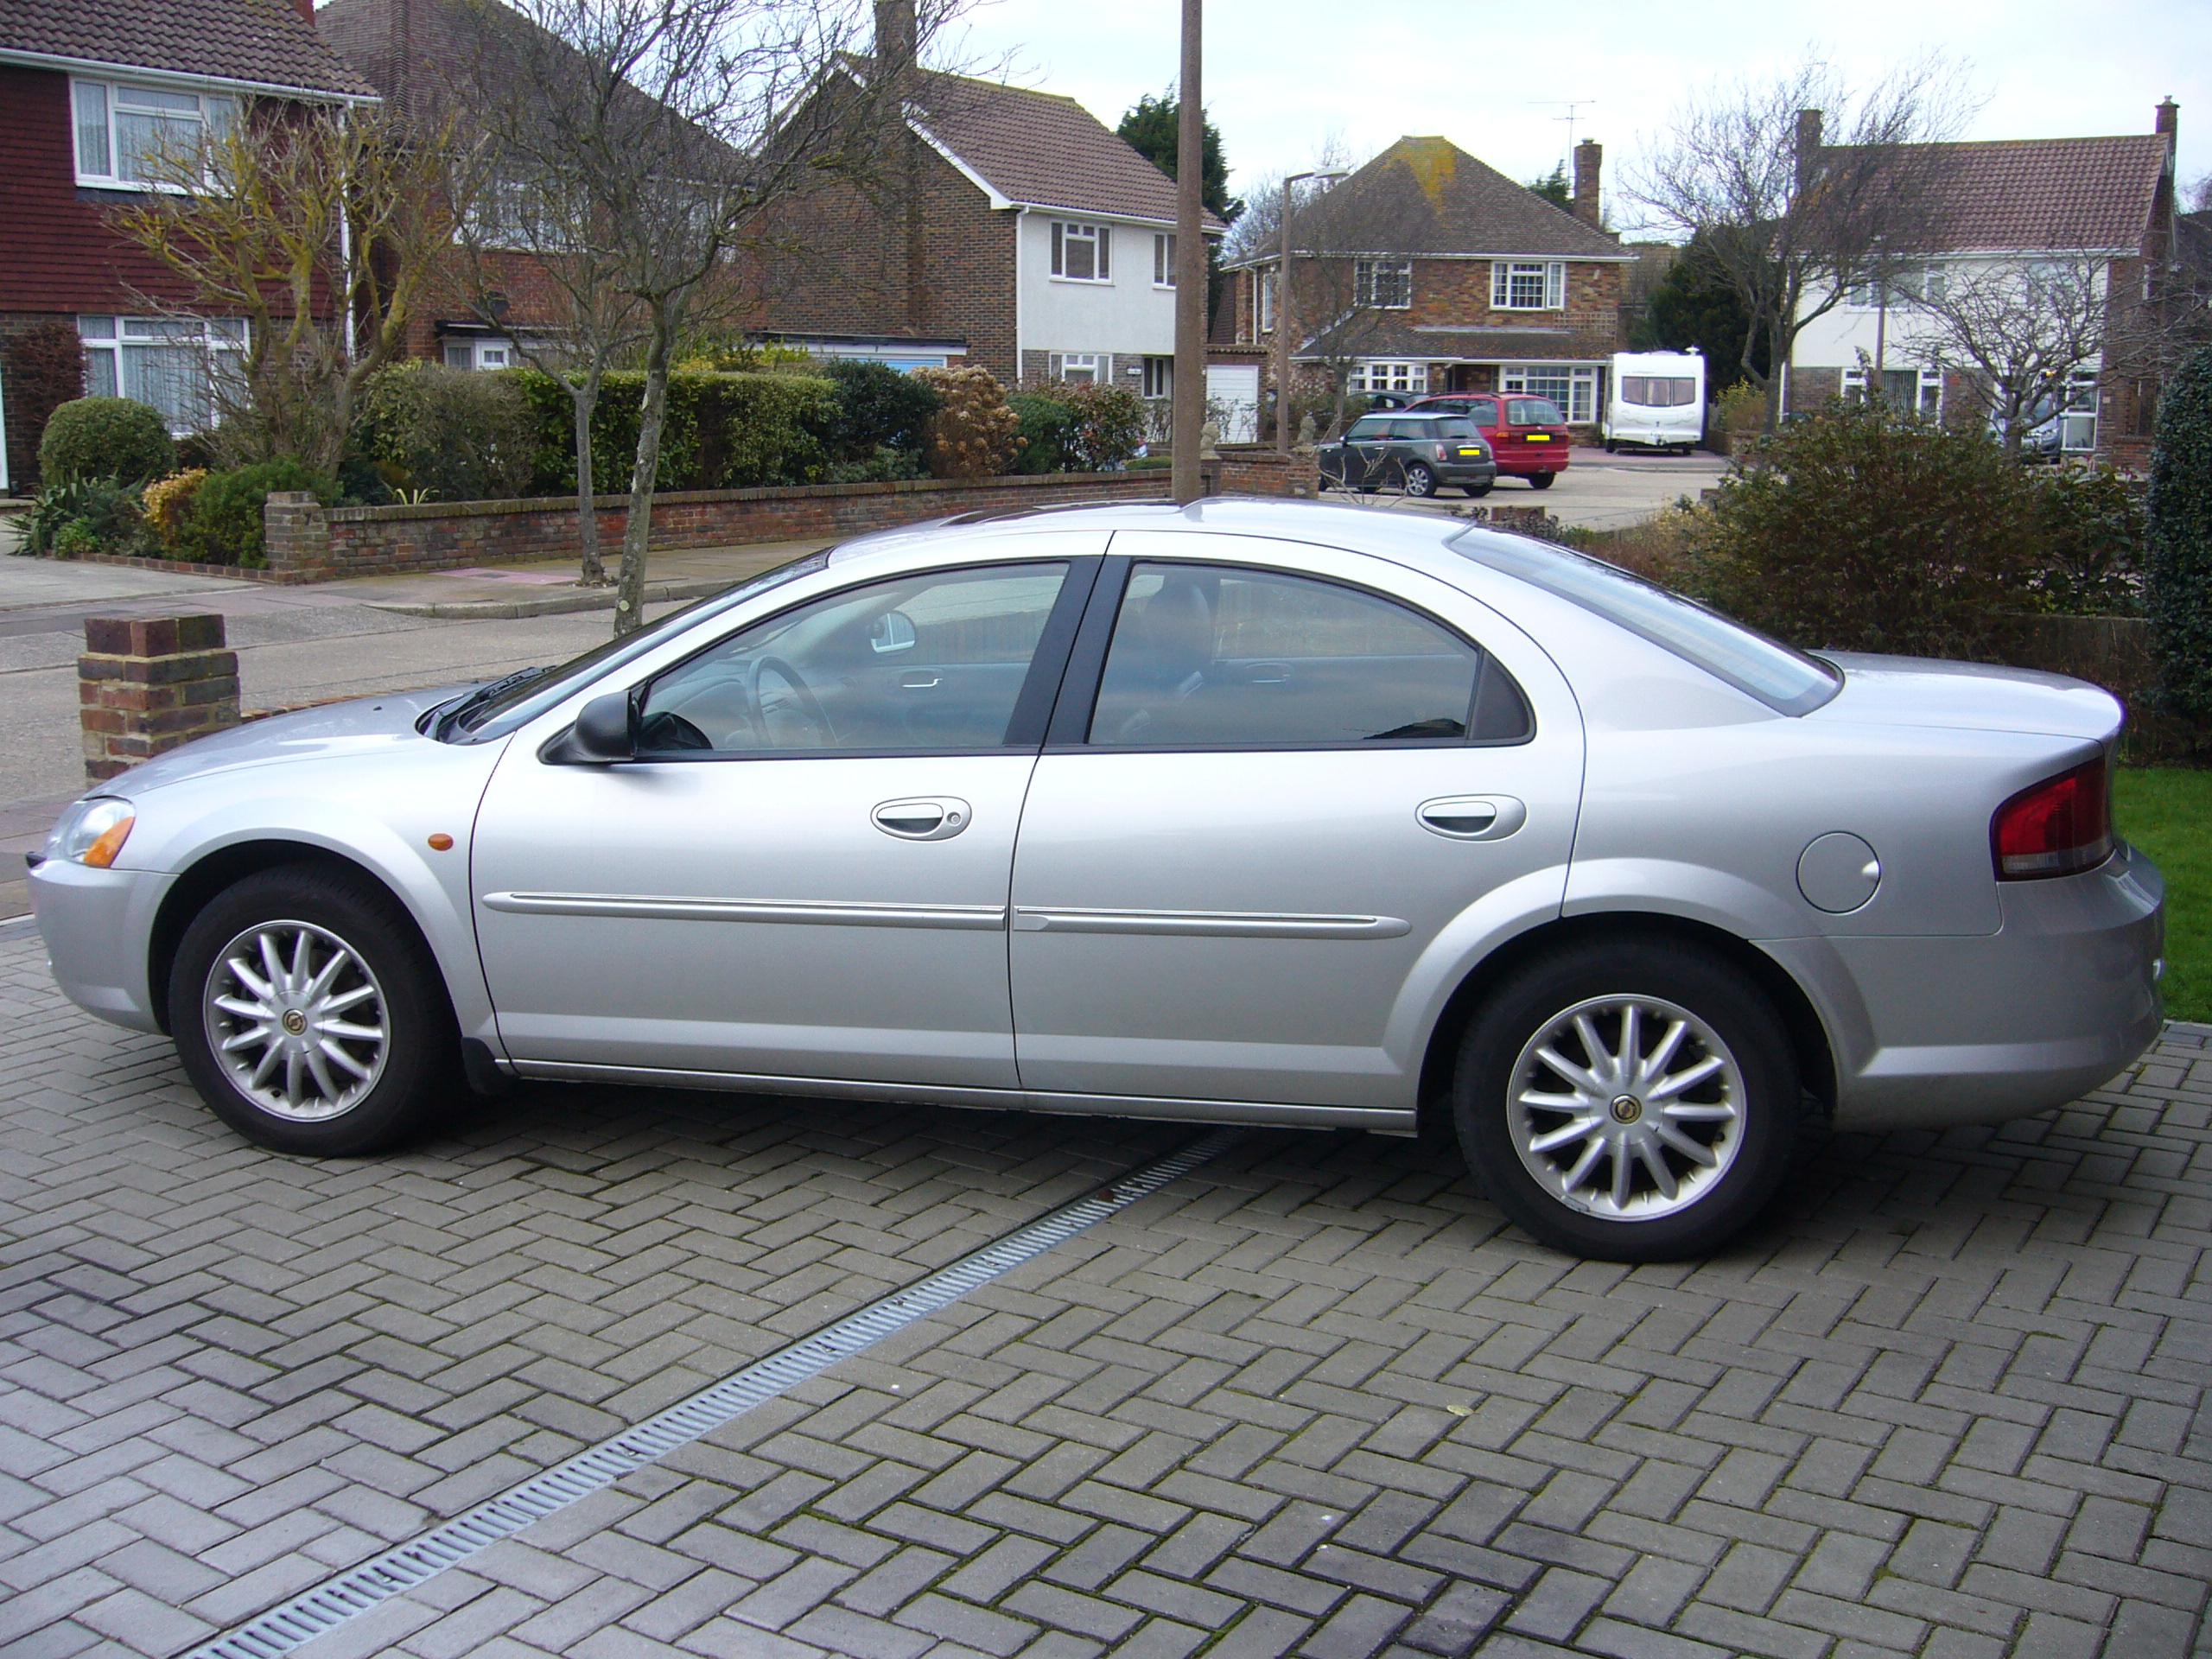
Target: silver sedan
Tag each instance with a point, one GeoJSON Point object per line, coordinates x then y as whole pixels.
{"type": "Point", "coordinates": [1270, 813]}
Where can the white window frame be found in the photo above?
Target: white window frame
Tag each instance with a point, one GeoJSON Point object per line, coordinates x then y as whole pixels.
{"type": "Point", "coordinates": [1364, 285]}
{"type": "Point", "coordinates": [1088, 365]}
{"type": "Point", "coordinates": [479, 353]}
{"type": "Point", "coordinates": [1163, 258]}
{"type": "Point", "coordinates": [1382, 374]}
{"type": "Point", "coordinates": [108, 373]}
{"type": "Point", "coordinates": [2077, 420]}
{"type": "Point", "coordinates": [1927, 397]}
{"type": "Point", "coordinates": [1069, 234]}
{"type": "Point", "coordinates": [1546, 276]}
{"type": "Point", "coordinates": [1581, 403]}
{"type": "Point", "coordinates": [1906, 284]}
{"type": "Point", "coordinates": [1264, 300]}
{"type": "Point", "coordinates": [220, 109]}
{"type": "Point", "coordinates": [1159, 378]}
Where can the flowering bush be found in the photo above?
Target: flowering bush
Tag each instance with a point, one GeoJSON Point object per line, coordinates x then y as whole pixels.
{"type": "Point", "coordinates": [973, 434]}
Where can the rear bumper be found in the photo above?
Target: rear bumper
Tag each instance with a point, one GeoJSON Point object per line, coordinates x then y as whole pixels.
{"type": "Point", "coordinates": [1929, 1033]}
{"type": "Point", "coordinates": [1527, 466]}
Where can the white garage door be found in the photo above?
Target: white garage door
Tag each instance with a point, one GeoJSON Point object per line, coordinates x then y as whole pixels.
{"type": "Point", "coordinates": [1233, 400]}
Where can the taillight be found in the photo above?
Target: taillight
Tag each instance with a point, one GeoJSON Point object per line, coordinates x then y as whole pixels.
{"type": "Point", "coordinates": [2061, 827]}
{"type": "Point", "coordinates": [1444, 452]}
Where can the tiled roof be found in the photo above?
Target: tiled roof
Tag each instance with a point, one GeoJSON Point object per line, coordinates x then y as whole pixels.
{"type": "Point", "coordinates": [1533, 343]}
{"type": "Point", "coordinates": [1041, 149]}
{"type": "Point", "coordinates": [263, 41]}
{"type": "Point", "coordinates": [409, 50]}
{"type": "Point", "coordinates": [1429, 196]}
{"type": "Point", "coordinates": [2017, 194]}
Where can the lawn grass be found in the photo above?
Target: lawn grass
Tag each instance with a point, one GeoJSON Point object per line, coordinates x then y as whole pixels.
{"type": "Point", "coordinates": [2167, 811]}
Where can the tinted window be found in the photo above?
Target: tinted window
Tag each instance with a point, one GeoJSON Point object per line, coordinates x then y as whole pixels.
{"type": "Point", "coordinates": [1367, 427]}
{"type": "Point", "coordinates": [1787, 681]}
{"type": "Point", "coordinates": [1208, 655]}
{"type": "Point", "coordinates": [925, 661]}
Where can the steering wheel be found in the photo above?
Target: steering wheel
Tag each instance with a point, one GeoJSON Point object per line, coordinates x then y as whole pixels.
{"type": "Point", "coordinates": [791, 719]}
{"type": "Point", "coordinates": [665, 731]}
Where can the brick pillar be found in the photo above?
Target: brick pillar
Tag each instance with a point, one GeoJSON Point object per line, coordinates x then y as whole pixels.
{"type": "Point", "coordinates": [297, 531]}
{"type": "Point", "coordinates": [149, 684]}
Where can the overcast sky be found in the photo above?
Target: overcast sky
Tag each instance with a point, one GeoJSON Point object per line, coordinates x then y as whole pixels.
{"type": "Point", "coordinates": [1282, 76]}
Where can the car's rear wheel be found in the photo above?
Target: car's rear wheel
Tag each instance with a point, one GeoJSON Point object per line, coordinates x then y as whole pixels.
{"type": "Point", "coordinates": [309, 1015]}
{"type": "Point", "coordinates": [1477, 489]}
{"type": "Point", "coordinates": [1638, 1101]}
{"type": "Point", "coordinates": [1540, 481]}
{"type": "Point", "coordinates": [1419, 480]}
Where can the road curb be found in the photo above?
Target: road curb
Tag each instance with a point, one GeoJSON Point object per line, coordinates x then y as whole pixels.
{"type": "Point", "coordinates": [554, 604]}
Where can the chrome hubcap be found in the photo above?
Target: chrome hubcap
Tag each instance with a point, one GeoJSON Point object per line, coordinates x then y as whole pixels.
{"type": "Point", "coordinates": [297, 1020]}
{"type": "Point", "coordinates": [1630, 1107]}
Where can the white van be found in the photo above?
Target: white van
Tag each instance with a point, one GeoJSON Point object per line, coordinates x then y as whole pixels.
{"type": "Point", "coordinates": [1655, 399]}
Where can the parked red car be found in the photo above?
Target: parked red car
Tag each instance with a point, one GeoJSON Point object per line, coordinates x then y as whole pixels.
{"type": "Point", "coordinates": [1527, 435]}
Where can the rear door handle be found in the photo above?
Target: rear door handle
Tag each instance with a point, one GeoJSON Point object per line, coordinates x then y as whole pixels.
{"type": "Point", "coordinates": [923, 681]}
{"type": "Point", "coordinates": [1473, 817]}
{"type": "Point", "coordinates": [934, 818]}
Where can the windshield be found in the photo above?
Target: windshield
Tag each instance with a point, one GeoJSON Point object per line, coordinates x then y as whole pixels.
{"type": "Point", "coordinates": [1787, 681]}
{"type": "Point", "coordinates": [521, 697]}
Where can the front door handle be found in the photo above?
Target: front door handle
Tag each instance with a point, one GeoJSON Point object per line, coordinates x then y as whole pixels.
{"type": "Point", "coordinates": [934, 818]}
{"type": "Point", "coordinates": [1473, 817]}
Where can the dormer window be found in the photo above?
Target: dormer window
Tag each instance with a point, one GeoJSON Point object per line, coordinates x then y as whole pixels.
{"type": "Point", "coordinates": [123, 128]}
{"type": "Point", "coordinates": [1081, 252]}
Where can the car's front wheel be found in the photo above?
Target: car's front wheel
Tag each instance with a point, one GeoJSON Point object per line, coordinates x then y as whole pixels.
{"type": "Point", "coordinates": [1638, 1101]}
{"type": "Point", "coordinates": [309, 1015]}
{"type": "Point", "coordinates": [1419, 480]}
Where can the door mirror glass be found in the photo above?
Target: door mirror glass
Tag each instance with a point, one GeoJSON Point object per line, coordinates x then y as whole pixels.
{"type": "Point", "coordinates": [893, 630]}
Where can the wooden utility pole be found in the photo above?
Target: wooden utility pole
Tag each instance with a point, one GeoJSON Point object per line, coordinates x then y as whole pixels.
{"type": "Point", "coordinates": [1190, 407]}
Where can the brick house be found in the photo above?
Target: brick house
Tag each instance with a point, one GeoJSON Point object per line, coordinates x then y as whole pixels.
{"type": "Point", "coordinates": [87, 89]}
{"type": "Point", "coordinates": [1426, 270]}
{"type": "Point", "coordinates": [1999, 211]}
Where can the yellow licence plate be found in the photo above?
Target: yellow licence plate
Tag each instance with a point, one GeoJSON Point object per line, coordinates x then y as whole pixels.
{"type": "Point", "coordinates": [1470, 452]}
{"type": "Point", "coordinates": [1540, 437]}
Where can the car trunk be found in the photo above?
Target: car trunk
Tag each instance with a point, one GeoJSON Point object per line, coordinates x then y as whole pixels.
{"type": "Point", "coordinates": [1970, 696]}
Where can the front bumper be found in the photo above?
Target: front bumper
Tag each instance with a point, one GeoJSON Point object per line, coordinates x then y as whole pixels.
{"type": "Point", "coordinates": [98, 925]}
{"type": "Point", "coordinates": [1929, 1033]}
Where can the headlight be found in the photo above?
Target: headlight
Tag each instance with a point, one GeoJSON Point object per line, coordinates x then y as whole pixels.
{"type": "Point", "coordinates": [92, 831]}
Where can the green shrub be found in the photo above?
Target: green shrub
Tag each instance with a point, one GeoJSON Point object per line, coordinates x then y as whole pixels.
{"type": "Point", "coordinates": [85, 515]}
{"type": "Point", "coordinates": [105, 437]}
{"type": "Point", "coordinates": [166, 502]}
{"type": "Point", "coordinates": [878, 407]}
{"type": "Point", "coordinates": [457, 436]}
{"type": "Point", "coordinates": [1866, 529]}
{"type": "Point", "coordinates": [974, 433]}
{"type": "Point", "coordinates": [2180, 509]}
{"type": "Point", "coordinates": [2090, 525]}
{"type": "Point", "coordinates": [224, 525]}
{"type": "Point", "coordinates": [772, 428]}
{"type": "Point", "coordinates": [886, 466]}
{"type": "Point", "coordinates": [1106, 423]}
{"type": "Point", "coordinates": [721, 430]}
{"type": "Point", "coordinates": [1044, 425]}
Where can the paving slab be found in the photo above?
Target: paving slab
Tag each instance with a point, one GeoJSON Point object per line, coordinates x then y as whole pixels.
{"type": "Point", "coordinates": [1950, 1397]}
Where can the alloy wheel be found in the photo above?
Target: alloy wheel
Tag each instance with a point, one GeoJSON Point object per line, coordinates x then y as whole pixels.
{"type": "Point", "coordinates": [297, 1019]}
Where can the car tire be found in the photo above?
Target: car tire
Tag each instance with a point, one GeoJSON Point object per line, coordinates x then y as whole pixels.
{"type": "Point", "coordinates": [1734, 1122]}
{"type": "Point", "coordinates": [1611, 446]}
{"type": "Point", "coordinates": [1477, 489]}
{"type": "Point", "coordinates": [363, 1039]}
{"type": "Point", "coordinates": [1419, 481]}
{"type": "Point", "coordinates": [1540, 481]}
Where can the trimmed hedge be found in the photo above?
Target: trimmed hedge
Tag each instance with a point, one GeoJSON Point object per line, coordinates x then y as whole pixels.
{"type": "Point", "coordinates": [2181, 537]}
{"type": "Point", "coordinates": [721, 431]}
{"type": "Point", "coordinates": [457, 436]}
{"type": "Point", "coordinates": [224, 524]}
{"type": "Point", "coordinates": [105, 437]}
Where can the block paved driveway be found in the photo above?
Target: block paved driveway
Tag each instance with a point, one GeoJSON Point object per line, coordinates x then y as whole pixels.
{"type": "Point", "coordinates": [1313, 1398]}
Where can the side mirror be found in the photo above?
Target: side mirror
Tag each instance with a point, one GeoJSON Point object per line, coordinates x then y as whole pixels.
{"type": "Point", "coordinates": [893, 630]}
{"type": "Point", "coordinates": [605, 730]}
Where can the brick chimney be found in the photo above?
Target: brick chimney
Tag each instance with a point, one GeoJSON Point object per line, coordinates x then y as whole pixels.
{"type": "Point", "coordinates": [306, 9]}
{"type": "Point", "coordinates": [1808, 144]}
{"type": "Point", "coordinates": [2169, 118]}
{"type": "Point", "coordinates": [895, 34]}
{"type": "Point", "coordinates": [1587, 156]}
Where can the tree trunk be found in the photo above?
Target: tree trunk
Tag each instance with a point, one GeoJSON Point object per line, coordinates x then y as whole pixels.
{"type": "Point", "coordinates": [630, 586]}
{"type": "Point", "coordinates": [1782, 337]}
{"type": "Point", "coordinates": [585, 396]}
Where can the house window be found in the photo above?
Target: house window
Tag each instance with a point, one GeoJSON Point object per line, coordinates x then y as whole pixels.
{"type": "Point", "coordinates": [514, 212]}
{"type": "Point", "coordinates": [1159, 377]}
{"type": "Point", "coordinates": [1906, 285]}
{"type": "Point", "coordinates": [1920, 389]}
{"type": "Point", "coordinates": [169, 363]}
{"type": "Point", "coordinates": [487, 352]}
{"type": "Point", "coordinates": [1080, 252]}
{"type": "Point", "coordinates": [1082, 367]}
{"type": "Point", "coordinates": [122, 130]}
{"type": "Point", "coordinates": [1528, 285]}
{"type": "Point", "coordinates": [1264, 287]}
{"type": "Point", "coordinates": [2078, 427]}
{"type": "Point", "coordinates": [1163, 260]}
{"type": "Point", "coordinates": [1575, 390]}
{"type": "Point", "coordinates": [1383, 285]}
{"type": "Point", "coordinates": [1372, 375]}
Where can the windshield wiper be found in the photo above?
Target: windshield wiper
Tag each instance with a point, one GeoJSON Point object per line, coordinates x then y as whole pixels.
{"type": "Point", "coordinates": [484, 694]}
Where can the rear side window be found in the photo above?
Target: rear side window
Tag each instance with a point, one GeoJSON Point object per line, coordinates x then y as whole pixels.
{"type": "Point", "coordinates": [1458, 428]}
{"type": "Point", "coordinates": [1533, 411]}
{"type": "Point", "coordinates": [1209, 657]}
{"type": "Point", "coordinates": [1368, 428]}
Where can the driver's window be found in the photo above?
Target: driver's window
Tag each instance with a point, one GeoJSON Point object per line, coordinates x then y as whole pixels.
{"type": "Point", "coordinates": [932, 661]}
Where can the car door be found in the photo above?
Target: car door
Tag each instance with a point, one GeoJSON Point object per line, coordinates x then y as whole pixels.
{"type": "Point", "coordinates": [803, 871]}
{"type": "Point", "coordinates": [1286, 792]}
{"type": "Point", "coordinates": [1365, 446]}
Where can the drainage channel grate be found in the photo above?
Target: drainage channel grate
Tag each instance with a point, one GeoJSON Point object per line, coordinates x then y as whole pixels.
{"type": "Point", "coordinates": [352, 1593]}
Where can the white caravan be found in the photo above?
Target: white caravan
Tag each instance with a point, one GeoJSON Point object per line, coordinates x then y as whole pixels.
{"type": "Point", "coordinates": [1655, 399]}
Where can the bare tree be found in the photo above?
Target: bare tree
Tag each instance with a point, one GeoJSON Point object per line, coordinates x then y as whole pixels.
{"type": "Point", "coordinates": [319, 229]}
{"type": "Point", "coordinates": [1789, 218]}
{"type": "Point", "coordinates": [682, 129]}
{"type": "Point", "coordinates": [2017, 329]}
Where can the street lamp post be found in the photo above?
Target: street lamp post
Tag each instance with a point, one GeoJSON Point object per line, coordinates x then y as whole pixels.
{"type": "Point", "coordinates": [1190, 386]}
{"type": "Point", "coordinates": [1282, 308]}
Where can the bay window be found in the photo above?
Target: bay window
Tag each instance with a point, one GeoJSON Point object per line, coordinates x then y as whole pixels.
{"type": "Point", "coordinates": [1574, 390]}
{"type": "Point", "coordinates": [1374, 375]}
